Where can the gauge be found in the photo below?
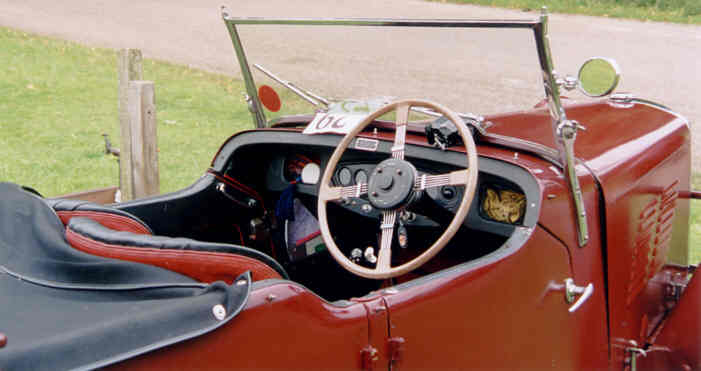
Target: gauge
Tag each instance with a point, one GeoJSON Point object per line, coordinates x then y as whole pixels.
{"type": "Point", "coordinates": [310, 173]}
{"type": "Point", "coordinates": [344, 176]}
{"type": "Point", "coordinates": [361, 177]}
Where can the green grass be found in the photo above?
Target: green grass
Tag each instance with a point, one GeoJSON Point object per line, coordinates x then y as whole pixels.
{"type": "Point", "coordinates": [695, 227]}
{"type": "Point", "coordinates": [679, 11]}
{"type": "Point", "coordinates": [57, 98]}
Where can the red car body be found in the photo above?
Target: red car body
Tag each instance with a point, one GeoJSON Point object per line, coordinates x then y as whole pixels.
{"type": "Point", "coordinates": [508, 306]}
{"type": "Point", "coordinates": [510, 311]}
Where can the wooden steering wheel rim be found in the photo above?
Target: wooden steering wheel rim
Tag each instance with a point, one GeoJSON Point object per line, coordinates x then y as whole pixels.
{"type": "Point", "coordinates": [470, 183]}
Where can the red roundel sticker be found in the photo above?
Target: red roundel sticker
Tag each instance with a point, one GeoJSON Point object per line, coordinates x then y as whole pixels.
{"type": "Point", "coordinates": [269, 98]}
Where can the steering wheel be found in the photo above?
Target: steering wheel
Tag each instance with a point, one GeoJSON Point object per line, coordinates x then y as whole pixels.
{"type": "Point", "coordinates": [393, 184]}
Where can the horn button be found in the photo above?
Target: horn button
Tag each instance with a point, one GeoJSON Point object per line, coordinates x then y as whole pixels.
{"type": "Point", "coordinates": [391, 184]}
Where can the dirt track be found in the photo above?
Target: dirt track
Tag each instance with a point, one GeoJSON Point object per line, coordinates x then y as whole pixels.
{"type": "Point", "coordinates": [659, 61]}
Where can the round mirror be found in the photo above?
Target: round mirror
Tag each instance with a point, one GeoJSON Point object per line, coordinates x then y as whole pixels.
{"type": "Point", "coordinates": [598, 76]}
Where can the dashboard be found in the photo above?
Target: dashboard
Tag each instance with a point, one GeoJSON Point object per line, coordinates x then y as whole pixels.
{"type": "Point", "coordinates": [498, 207]}
{"type": "Point", "coordinates": [508, 196]}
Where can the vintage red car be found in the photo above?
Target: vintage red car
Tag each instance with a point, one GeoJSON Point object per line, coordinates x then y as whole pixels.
{"type": "Point", "coordinates": [379, 234]}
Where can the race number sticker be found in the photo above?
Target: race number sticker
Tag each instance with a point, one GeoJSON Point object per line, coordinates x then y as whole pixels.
{"type": "Point", "coordinates": [342, 117]}
{"type": "Point", "coordinates": [329, 122]}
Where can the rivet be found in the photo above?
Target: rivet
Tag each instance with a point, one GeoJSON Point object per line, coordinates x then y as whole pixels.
{"type": "Point", "coordinates": [399, 172]}
{"type": "Point", "coordinates": [271, 297]}
{"type": "Point", "coordinates": [3, 340]}
{"type": "Point", "coordinates": [240, 282]}
{"type": "Point", "coordinates": [374, 194]}
{"type": "Point", "coordinates": [379, 170]}
{"type": "Point", "coordinates": [219, 312]}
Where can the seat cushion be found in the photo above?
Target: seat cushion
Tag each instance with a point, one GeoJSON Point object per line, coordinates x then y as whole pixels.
{"type": "Point", "coordinates": [109, 217]}
{"type": "Point", "coordinates": [203, 261]}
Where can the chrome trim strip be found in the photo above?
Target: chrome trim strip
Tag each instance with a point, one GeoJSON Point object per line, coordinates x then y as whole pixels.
{"type": "Point", "coordinates": [659, 106]}
{"type": "Point", "coordinates": [386, 22]}
{"type": "Point", "coordinates": [549, 154]}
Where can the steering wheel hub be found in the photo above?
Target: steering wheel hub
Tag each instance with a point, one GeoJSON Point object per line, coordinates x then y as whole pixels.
{"type": "Point", "coordinates": [391, 184]}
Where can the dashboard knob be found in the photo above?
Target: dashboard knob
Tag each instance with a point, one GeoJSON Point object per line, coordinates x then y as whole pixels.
{"type": "Point", "coordinates": [448, 193]}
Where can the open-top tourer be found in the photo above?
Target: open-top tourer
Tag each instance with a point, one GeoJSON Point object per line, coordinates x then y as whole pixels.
{"type": "Point", "coordinates": [386, 229]}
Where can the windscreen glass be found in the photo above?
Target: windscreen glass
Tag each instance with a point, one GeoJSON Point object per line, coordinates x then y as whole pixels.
{"type": "Point", "coordinates": [469, 70]}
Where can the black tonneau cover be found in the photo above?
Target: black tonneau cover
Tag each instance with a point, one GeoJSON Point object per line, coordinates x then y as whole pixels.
{"type": "Point", "coordinates": [61, 308]}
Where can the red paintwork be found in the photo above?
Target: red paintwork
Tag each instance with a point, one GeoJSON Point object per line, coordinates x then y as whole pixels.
{"type": "Point", "coordinates": [678, 346]}
{"type": "Point", "coordinates": [506, 310]}
{"type": "Point", "coordinates": [607, 128]}
{"type": "Point", "coordinates": [505, 313]}
{"type": "Point", "coordinates": [635, 154]}
{"type": "Point", "coordinates": [295, 330]}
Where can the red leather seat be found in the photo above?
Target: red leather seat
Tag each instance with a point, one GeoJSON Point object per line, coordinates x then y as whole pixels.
{"type": "Point", "coordinates": [116, 234]}
{"type": "Point", "coordinates": [109, 217]}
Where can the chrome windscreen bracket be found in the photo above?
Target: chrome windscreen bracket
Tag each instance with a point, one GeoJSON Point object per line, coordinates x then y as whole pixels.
{"type": "Point", "coordinates": [567, 133]}
{"type": "Point", "coordinates": [254, 105]}
{"type": "Point", "coordinates": [564, 130]}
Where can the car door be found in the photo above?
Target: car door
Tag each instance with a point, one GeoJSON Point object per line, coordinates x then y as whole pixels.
{"type": "Point", "coordinates": [507, 310]}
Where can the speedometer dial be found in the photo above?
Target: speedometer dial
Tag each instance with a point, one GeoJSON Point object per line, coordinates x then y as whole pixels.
{"type": "Point", "coordinates": [345, 176]}
{"type": "Point", "coordinates": [361, 177]}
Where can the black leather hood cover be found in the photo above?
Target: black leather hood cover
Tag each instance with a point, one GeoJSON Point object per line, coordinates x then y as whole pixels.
{"type": "Point", "coordinates": [61, 308]}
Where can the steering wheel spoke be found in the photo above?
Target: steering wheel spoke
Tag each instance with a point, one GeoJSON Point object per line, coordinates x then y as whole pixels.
{"type": "Point", "coordinates": [337, 193]}
{"type": "Point", "coordinates": [400, 131]}
{"type": "Point", "coordinates": [384, 256]}
{"type": "Point", "coordinates": [459, 177]}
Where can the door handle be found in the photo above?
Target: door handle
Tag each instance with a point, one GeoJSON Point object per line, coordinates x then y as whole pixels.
{"type": "Point", "coordinates": [572, 290]}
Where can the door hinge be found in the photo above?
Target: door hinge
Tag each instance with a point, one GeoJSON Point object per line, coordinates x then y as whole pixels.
{"type": "Point", "coordinates": [368, 356]}
{"type": "Point", "coordinates": [396, 351]}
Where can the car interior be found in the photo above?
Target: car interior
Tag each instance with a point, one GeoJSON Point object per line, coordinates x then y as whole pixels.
{"type": "Point", "coordinates": [253, 202]}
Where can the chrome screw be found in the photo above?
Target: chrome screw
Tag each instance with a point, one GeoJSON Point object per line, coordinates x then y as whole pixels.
{"type": "Point", "coordinates": [219, 312]}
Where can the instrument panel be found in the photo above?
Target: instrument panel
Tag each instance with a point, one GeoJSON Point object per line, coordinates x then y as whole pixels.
{"type": "Point", "coordinates": [500, 203]}
{"type": "Point", "coordinates": [349, 174]}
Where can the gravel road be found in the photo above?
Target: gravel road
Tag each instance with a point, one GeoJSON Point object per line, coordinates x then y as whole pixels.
{"type": "Point", "coordinates": [659, 61]}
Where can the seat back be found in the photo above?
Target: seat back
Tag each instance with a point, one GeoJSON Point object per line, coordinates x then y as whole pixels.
{"type": "Point", "coordinates": [109, 217]}
{"type": "Point", "coordinates": [203, 261]}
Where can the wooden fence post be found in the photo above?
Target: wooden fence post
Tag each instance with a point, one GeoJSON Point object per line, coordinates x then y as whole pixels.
{"type": "Point", "coordinates": [129, 67]}
{"type": "Point", "coordinates": [143, 148]}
